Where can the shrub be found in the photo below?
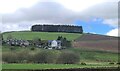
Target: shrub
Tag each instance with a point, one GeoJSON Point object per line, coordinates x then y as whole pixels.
{"type": "Point", "coordinates": [83, 63]}
{"type": "Point", "coordinates": [23, 56]}
{"type": "Point", "coordinates": [68, 58]}
{"type": "Point", "coordinates": [13, 57]}
{"type": "Point", "coordinates": [32, 48]}
{"type": "Point", "coordinates": [31, 59]}
{"type": "Point", "coordinates": [111, 63]}
{"type": "Point", "coordinates": [12, 48]}
{"type": "Point", "coordinates": [118, 63]}
{"type": "Point", "coordinates": [9, 57]}
{"type": "Point", "coordinates": [37, 41]}
{"type": "Point", "coordinates": [44, 57]}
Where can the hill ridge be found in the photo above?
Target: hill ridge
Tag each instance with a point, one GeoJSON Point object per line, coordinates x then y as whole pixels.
{"type": "Point", "coordinates": [95, 37]}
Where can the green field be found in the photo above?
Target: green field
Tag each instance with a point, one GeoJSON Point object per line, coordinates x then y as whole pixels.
{"type": "Point", "coordinates": [43, 35]}
{"type": "Point", "coordinates": [93, 58]}
{"type": "Point", "coordinates": [54, 66]}
{"type": "Point", "coordinates": [85, 55]}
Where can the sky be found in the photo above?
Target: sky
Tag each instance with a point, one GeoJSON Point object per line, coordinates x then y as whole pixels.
{"type": "Point", "coordinates": [96, 16]}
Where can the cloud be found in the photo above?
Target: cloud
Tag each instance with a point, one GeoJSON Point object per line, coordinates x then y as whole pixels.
{"type": "Point", "coordinates": [55, 13]}
{"type": "Point", "coordinates": [11, 27]}
{"type": "Point", "coordinates": [111, 22]}
{"type": "Point", "coordinates": [50, 12]}
{"type": "Point", "coordinates": [16, 26]}
{"type": "Point", "coordinates": [106, 10]}
{"type": "Point", "coordinates": [20, 26]}
{"type": "Point", "coordinates": [114, 32]}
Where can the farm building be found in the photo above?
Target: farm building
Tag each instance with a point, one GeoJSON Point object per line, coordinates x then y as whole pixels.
{"type": "Point", "coordinates": [15, 42]}
{"type": "Point", "coordinates": [54, 44]}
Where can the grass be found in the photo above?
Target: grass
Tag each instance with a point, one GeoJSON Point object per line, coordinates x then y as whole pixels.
{"type": "Point", "coordinates": [85, 55]}
{"type": "Point", "coordinates": [93, 58]}
{"type": "Point", "coordinates": [54, 66]}
{"type": "Point", "coordinates": [42, 35]}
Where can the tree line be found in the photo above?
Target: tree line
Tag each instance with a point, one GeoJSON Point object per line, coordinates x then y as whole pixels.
{"type": "Point", "coordinates": [44, 56]}
{"type": "Point", "coordinates": [57, 28]}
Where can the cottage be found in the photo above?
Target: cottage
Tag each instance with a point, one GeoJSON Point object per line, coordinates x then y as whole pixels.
{"type": "Point", "coordinates": [15, 42]}
{"type": "Point", "coordinates": [54, 44]}
{"type": "Point", "coordinates": [25, 43]}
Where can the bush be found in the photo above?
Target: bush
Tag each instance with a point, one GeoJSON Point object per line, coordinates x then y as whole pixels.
{"type": "Point", "coordinates": [44, 57]}
{"type": "Point", "coordinates": [12, 48]}
{"type": "Point", "coordinates": [23, 56]}
{"type": "Point", "coordinates": [32, 48]}
{"type": "Point", "coordinates": [83, 63]}
{"type": "Point", "coordinates": [9, 57]}
{"type": "Point", "coordinates": [30, 59]}
{"type": "Point", "coordinates": [13, 57]}
{"type": "Point", "coordinates": [118, 63]}
{"type": "Point", "coordinates": [68, 58]}
{"type": "Point", "coordinates": [111, 63]}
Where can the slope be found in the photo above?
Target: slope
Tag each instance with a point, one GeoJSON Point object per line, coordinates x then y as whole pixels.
{"type": "Point", "coordinates": [43, 35]}
{"type": "Point", "coordinates": [97, 42]}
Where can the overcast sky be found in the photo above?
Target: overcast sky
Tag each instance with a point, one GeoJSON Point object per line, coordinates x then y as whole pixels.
{"type": "Point", "coordinates": [96, 16]}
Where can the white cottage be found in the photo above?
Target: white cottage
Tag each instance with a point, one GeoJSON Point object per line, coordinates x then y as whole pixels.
{"type": "Point", "coordinates": [55, 44]}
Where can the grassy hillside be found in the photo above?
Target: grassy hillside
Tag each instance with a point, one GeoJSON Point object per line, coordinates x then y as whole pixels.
{"type": "Point", "coordinates": [97, 42]}
{"type": "Point", "coordinates": [93, 59]}
{"type": "Point", "coordinates": [88, 41]}
{"type": "Point", "coordinates": [42, 35]}
{"type": "Point", "coordinates": [54, 66]}
{"type": "Point", "coordinates": [86, 55]}
{"type": "Point", "coordinates": [99, 56]}
{"type": "Point", "coordinates": [95, 37]}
